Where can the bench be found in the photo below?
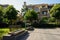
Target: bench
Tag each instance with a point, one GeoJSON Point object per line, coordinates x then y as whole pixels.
{"type": "Point", "coordinates": [16, 32]}
{"type": "Point", "coordinates": [14, 35]}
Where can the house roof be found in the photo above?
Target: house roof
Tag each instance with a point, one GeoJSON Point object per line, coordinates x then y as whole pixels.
{"type": "Point", "coordinates": [4, 5]}
{"type": "Point", "coordinates": [40, 5]}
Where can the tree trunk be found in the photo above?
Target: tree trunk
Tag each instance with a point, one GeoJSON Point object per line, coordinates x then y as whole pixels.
{"type": "Point", "coordinates": [10, 25]}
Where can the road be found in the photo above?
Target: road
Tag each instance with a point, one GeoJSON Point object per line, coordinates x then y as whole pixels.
{"type": "Point", "coordinates": [43, 34]}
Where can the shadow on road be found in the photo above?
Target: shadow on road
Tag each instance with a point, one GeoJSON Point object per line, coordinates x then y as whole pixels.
{"type": "Point", "coordinates": [23, 37]}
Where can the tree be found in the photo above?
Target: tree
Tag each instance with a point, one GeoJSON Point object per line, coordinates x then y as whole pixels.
{"type": "Point", "coordinates": [1, 13]}
{"type": "Point", "coordinates": [23, 10]}
{"type": "Point", "coordinates": [55, 11]}
{"type": "Point", "coordinates": [10, 13]}
{"type": "Point", "coordinates": [30, 15]}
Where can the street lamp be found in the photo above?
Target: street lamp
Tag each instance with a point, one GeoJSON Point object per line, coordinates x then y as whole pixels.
{"type": "Point", "coordinates": [25, 21]}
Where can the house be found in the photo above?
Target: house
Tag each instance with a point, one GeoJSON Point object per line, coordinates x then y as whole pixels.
{"type": "Point", "coordinates": [41, 9]}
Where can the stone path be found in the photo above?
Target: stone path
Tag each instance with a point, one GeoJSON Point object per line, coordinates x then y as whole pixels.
{"type": "Point", "coordinates": [43, 34]}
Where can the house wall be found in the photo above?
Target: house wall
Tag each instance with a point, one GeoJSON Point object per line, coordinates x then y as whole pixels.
{"type": "Point", "coordinates": [42, 9]}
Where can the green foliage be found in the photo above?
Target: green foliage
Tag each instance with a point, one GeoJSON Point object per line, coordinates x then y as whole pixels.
{"type": "Point", "coordinates": [10, 13]}
{"type": "Point", "coordinates": [52, 19]}
{"type": "Point", "coordinates": [3, 31]}
{"type": "Point", "coordinates": [27, 15]}
{"type": "Point", "coordinates": [30, 15]}
{"type": "Point", "coordinates": [44, 20]}
{"type": "Point", "coordinates": [7, 14]}
{"type": "Point", "coordinates": [55, 11]}
{"type": "Point", "coordinates": [1, 13]}
{"type": "Point", "coordinates": [5, 20]}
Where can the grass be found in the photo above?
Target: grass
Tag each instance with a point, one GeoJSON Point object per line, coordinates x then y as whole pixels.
{"type": "Point", "coordinates": [3, 31]}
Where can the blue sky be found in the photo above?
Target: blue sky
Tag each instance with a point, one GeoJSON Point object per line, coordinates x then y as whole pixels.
{"type": "Point", "coordinates": [18, 3]}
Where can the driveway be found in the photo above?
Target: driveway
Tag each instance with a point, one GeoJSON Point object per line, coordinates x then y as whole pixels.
{"type": "Point", "coordinates": [43, 34]}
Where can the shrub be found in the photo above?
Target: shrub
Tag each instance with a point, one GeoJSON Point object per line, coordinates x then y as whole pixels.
{"type": "Point", "coordinates": [44, 20]}
{"type": "Point", "coordinates": [35, 24]}
{"type": "Point", "coordinates": [52, 19]}
{"type": "Point", "coordinates": [21, 23]}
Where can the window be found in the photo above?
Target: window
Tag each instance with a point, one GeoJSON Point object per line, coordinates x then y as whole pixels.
{"type": "Point", "coordinates": [36, 9]}
{"type": "Point", "coordinates": [44, 12]}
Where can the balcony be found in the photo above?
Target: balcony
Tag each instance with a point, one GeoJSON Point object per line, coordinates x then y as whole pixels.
{"type": "Point", "coordinates": [44, 9]}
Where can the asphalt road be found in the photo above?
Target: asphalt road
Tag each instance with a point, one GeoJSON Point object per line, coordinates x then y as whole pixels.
{"type": "Point", "coordinates": [43, 34]}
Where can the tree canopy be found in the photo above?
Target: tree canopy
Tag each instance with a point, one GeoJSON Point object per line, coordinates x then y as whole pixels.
{"type": "Point", "coordinates": [10, 13]}
{"type": "Point", "coordinates": [30, 15]}
{"type": "Point", "coordinates": [1, 13]}
{"type": "Point", "coordinates": [55, 11]}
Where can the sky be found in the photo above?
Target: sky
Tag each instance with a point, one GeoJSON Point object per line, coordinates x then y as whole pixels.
{"type": "Point", "coordinates": [18, 3]}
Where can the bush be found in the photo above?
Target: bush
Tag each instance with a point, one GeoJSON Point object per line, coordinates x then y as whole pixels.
{"type": "Point", "coordinates": [35, 24]}
{"type": "Point", "coordinates": [52, 19]}
{"type": "Point", "coordinates": [21, 23]}
{"type": "Point", "coordinates": [44, 20]}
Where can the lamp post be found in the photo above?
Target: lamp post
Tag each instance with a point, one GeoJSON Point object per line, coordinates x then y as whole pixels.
{"type": "Point", "coordinates": [25, 22]}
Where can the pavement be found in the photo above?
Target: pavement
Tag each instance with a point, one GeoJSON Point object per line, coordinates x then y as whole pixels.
{"type": "Point", "coordinates": [43, 34]}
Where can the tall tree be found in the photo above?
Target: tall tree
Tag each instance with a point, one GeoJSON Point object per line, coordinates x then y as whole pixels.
{"type": "Point", "coordinates": [30, 15]}
{"type": "Point", "coordinates": [55, 11]}
{"type": "Point", "coordinates": [10, 13]}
